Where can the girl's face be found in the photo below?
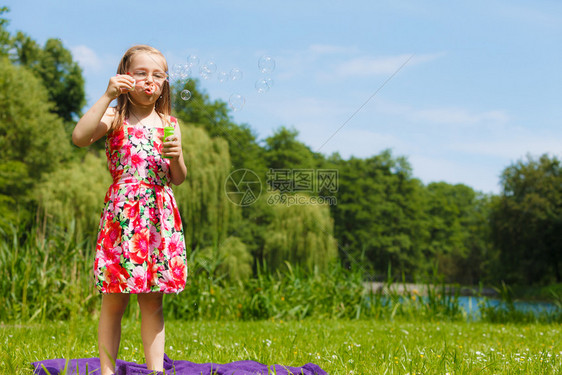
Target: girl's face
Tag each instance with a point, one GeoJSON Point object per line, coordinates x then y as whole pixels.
{"type": "Point", "coordinates": [149, 73]}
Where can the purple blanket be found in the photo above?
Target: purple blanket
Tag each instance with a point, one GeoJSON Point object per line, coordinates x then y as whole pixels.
{"type": "Point", "coordinates": [90, 366]}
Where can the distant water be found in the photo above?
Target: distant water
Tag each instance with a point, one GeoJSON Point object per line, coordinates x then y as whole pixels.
{"type": "Point", "coordinates": [472, 305]}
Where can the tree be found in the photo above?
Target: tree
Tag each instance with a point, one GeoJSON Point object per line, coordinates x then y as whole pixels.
{"type": "Point", "coordinates": [205, 210]}
{"type": "Point", "coordinates": [283, 150]}
{"type": "Point", "coordinates": [61, 76]}
{"type": "Point", "coordinates": [72, 196]}
{"type": "Point", "coordinates": [379, 216]}
{"type": "Point", "coordinates": [5, 37]}
{"type": "Point", "coordinates": [32, 139]}
{"type": "Point", "coordinates": [458, 231]}
{"type": "Point", "coordinates": [526, 221]}
{"type": "Point", "coordinates": [301, 234]}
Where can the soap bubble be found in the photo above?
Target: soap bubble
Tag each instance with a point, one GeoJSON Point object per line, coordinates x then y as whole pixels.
{"type": "Point", "coordinates": [185, 71]}
{"type": "Point", "coordinates": [236, 74]}
{"type": "Point", "coordinates": [204, 74]}
{"type": "Point", "coordinates": [210, 67]}
{"type": "Point", "coordinates": [180, 71]}
{"type": "Point", "coordinates": [175, 71]}
{"type": "Point", "coordinates": [192, 60]}
{"type": "Point", "coordinates": [207, 69]}
{"type": "Point", "coordinates": [222, 77]}
{"type": "Point", "coordinates": [185, 94]}
{"type": "Point", "coordinates": [261, 86]}
{"type": "Point", "coordinates": [266, 64]}
{"type": "Point", "coordinates": [236, 102]}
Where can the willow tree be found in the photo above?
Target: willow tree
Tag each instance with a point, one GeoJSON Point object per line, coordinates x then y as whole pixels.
{"type": "Point", "coordinates": [205, 209]}
{"type": "Point", "coordinates": [230, 259]}
{"type": "Point", "coordinates": [301, 234]}
{"type": "Point", "coordinates": [74, 195]}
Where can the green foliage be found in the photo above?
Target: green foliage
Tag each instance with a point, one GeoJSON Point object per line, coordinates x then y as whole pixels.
{"type": "Point", "coordinates": [4, 35]}
{"type": "Point", "coordinates": [284, 151]}
{"type": "Point", "coordinates": [526, 221]}
{"type": "Point", "coordinates": [32, 140]}
{"type": "Point", "coordinates": [46, 276]}
{"type": "Point", "coordinates": [75, 194]}
{"type": "Point", "coordinates": [231, 259]}
{"type": "Point", "coordinates": [300, 234]}
{"type": "Point", "coordinates": [205, 210]}
{"type": "Point", "coordinates": [458, 231]}
{"type": "Point", "coordinates": [61, 76]}
{"type": "Point", "coordinates": [379, 215]}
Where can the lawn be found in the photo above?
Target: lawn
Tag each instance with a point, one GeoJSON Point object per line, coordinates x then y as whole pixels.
{"type": "Point", "coordinates": [338, 346]}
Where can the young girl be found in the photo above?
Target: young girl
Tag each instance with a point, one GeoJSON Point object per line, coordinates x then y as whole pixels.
{"type": "Point", "coordinates": [140, 247]}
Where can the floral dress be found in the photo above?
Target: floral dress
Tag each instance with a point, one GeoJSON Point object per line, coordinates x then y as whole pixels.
{"type": "Point", "coordinates": [140, 246]}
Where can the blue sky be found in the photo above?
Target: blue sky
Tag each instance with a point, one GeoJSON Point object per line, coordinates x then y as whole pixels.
{"type": "Point", "coordinates": [479, 88]}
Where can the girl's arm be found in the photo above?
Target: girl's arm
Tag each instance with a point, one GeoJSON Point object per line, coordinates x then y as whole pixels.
{"type": "Point", "coordinates": [172, 148]}
{"type": "Point", "coordinates": [96, 122]}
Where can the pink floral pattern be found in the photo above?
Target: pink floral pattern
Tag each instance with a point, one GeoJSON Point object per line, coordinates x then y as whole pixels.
{"type": "Point", "coordinates": [140, 246]}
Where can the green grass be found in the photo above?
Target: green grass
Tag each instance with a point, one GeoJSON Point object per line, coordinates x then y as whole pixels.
{"type": "Point", "coordinates": [338, 346]}
{"type": "Point", "coordinates": [291, 318]}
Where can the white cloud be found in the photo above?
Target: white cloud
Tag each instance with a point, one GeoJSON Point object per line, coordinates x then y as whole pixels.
{"type": "Point", "coordinates": [512, 146]}
{"type": "Point", "coordinates": [87, 58]}
{"type": "Point", "coordinates": [444, 115]}
{"type": "Point", "coordinates": [368, 66]}
{"type": "Point", "coordinates": [459, 116]}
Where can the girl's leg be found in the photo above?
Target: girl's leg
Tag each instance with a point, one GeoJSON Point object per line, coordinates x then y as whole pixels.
{"type": "Point", "coordinates": [109, 330]}
{"type": "Point", "coordinates": [152, 329]}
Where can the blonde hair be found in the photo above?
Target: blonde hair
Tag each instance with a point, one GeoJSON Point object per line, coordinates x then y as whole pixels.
{"type": "Point", "coordinates": [163, 105]}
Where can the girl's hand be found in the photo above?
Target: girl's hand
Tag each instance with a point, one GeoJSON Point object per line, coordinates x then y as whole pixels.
{"type": "Point", "coordinates": [171, 148]}
{"type": "Point", "coordinates": [119, 84]}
